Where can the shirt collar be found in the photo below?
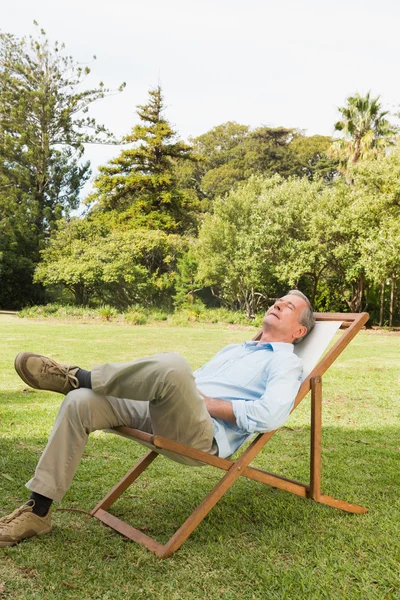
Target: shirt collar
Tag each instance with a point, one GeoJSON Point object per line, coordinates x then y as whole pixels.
{"type": "Point", "coordinates": [274, 346]}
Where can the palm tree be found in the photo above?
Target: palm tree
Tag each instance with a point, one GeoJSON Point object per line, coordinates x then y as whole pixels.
{"type": "Point", "coordinates": [365, 128]}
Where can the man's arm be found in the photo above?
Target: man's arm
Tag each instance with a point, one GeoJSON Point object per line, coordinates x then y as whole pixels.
{"type": "Point", "coordinates": [272, 409]}
{"type": "Point", "coordinates": [220, 409]}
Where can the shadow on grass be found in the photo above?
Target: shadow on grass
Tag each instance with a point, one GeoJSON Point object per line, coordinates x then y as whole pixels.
{"type": "Point", "coordinates": [359, 466]}
{"type": "Point", "coordinates": [274, 540]}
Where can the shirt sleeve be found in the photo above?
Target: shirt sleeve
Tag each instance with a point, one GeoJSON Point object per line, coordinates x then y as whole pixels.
{"type": "Point", "coordinates": [272, 409]}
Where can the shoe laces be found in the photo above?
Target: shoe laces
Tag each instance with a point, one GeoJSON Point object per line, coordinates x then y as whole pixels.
{"type": "Point", "coordinates": [17, 513]}
{"type": "Point", "coordinates": [55, 369]}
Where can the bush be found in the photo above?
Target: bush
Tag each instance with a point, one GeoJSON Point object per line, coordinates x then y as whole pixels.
{"type": "Point", "coordinates": [136, 316]}
{"type": "Point", "coordinates": [159, 315]}
{"type": "Point", "coordinates": [39, 311]}
{"type": "Point", "coordinates": [61, 311]}
{"type": "Point", "coordinates": [107, 312]}
{"type": "Point", "coordinates": [197, 313]}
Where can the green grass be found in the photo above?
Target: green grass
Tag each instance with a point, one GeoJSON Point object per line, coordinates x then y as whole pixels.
{"type": "Point", "coordinates": [257, 543]}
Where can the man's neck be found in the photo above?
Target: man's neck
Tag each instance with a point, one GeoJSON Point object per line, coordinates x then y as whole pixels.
{"type": "Point", "coordinates": [268, 336]}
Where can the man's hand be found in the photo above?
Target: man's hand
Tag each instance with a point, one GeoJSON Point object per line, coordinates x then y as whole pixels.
{"type": "Point", "coordinates": [221, 409]}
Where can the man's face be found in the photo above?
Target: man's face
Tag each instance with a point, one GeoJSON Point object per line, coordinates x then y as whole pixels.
{"type": "Point", "coordinates": [282, 319]}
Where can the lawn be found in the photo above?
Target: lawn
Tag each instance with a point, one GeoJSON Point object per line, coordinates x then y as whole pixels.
{"type": "Point", "coordinates": [258, 542]}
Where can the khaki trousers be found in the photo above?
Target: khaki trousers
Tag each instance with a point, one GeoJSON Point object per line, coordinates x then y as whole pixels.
{"type": "Point", "coordinates": [156, 394]}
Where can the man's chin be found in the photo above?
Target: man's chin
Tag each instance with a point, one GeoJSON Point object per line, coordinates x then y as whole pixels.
{"type": "Point", "coordinates": [270, 318]}
{"type": "Point", "coordinates": [268, 321]}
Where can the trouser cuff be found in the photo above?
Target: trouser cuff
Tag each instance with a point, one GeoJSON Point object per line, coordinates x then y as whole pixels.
{"type": "Point", "coordinates": [45, 490]}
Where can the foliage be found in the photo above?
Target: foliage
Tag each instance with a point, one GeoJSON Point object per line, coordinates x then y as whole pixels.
{"type": "Point", "coordinates": [230, 153]}
{"type": "Point", "coordinates": [378, 208]}
{"type": "Point", "coordinates": [140, 315]}
{"type": "Point", "coordinates": [141, 182]}
{"type": "Point", "coordinates": [118, 267]}
{"type": "Point", "coordinates": [221, 151]}
{"type": "Point", "coordinates": [16, 273]}
{"type": "Point", "coordinates": [136, 316]}
{"type": "Point", "coordinates": [268, 235]}
{"type": "Point", "coordinates": [366, 129]}
{"type": "Point", "coordinates": [268, 151]}
{"type": "Point", "coordinates": [107, 312]}
{"type": "Point", "coordinates": [242, 245]}
{"type": "Point", "coordinates": [230, 221]}
{"type": "Point", "coordinates": [187, 284]}
{"type": "Point", "coordinates": [71, 258]}
{"type": "Point", "coordinates": [273, 234]}
{"type": "Point", "coordinates": [309, 158]}
{"type": "Point", "coordinates": [43, 129]}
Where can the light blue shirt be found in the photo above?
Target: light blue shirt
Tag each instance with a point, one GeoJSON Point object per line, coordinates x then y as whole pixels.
{"type": "Point", "coordinates": [260, 379]}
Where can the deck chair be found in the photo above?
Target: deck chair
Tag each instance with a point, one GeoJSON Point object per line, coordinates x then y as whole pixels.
{"type": "Point", "coordinates": [310, 350]}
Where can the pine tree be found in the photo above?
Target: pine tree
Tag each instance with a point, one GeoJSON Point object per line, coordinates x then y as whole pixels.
{"type": "Point", "coordinates": [141, 183]}
{"type": "Point", "coordinates": [43, 128]}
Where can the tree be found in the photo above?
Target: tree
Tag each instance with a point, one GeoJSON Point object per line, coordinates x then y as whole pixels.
{"type": "Point", "coordinates": [231, 153]}
{"type": "Point", "coordinates": [43, 129]}
{"type": "Point", "coordinates": [378, 209]}
{"type": "Point", "coordinates": [309, 158]}
{"type": "Point", "coordinates": [220, 164]}
{"type": "Point", "coordinates": [187, 285]}
{"type": "Point", "coordinates": [273, 233]}
{"type": "Point", "coordinates": [141, 183]}
{"type": "Point", "coordinates": [16, 268]}
{"type": "Point", "coordinates": [244, 245]}
{"type": "Point", "coordinates": [382, 262]}
{"type": "Point", "coordinates": [267, 151]}
{"type": "Point", "coordinates": [365, 127]}
{"type": "Point", "coordinates": [119, 267]}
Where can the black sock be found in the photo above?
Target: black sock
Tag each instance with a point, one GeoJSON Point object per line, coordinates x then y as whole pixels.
{"type": "Point", "coordinates": [42, 504]}
{"type": "Point", "coordinates": [84, 378]}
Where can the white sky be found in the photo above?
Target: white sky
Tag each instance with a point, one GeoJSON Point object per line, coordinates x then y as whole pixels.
{"type": "Point", "coordinates": [289, 63]}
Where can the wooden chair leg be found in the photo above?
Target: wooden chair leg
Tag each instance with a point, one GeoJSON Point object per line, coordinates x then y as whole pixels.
{"type": "Point", "coordinates": [314, 490]}
{"type": "Point", "coordinates": [125, 482]}
{"type": "Point", "coordinates": [201, 511]}
{"type": "Point", "coordinates": [316, 438]}
{"type": "Point", "coordinates": [234, 471]}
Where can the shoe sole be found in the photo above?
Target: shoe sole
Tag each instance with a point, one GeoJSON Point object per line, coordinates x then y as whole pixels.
{"type": "Point", "coordinates": [15, 542]}
{"type": "Point", "coordinates": [19, 366]}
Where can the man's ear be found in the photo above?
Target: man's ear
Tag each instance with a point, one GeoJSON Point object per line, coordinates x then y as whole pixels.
{"type": "Point", "coordinates": [300, 332]}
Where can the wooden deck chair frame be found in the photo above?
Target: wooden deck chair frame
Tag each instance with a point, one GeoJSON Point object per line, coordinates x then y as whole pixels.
{"type": "Point", "coordinates": [351, 325]}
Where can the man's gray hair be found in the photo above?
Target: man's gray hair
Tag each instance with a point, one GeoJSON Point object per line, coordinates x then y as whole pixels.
{"type": "Point", "coordinates": [307, 316]}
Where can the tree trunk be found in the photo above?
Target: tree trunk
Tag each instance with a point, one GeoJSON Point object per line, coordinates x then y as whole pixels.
{"type": "Point", "coordinates": [355, 304]}
{"type": "Point", "coordinates": [314, 289]}
{"type": "Point", "coordinates": [249, 303]}
{"type": "Point", "coordinates": [382, 304]}
{"type": "Point", "coordinates": [357, 151]}
{"type": "Point", "coordinates": [81, 295]}
{"type": "Point", "coordinates": [392, 297]}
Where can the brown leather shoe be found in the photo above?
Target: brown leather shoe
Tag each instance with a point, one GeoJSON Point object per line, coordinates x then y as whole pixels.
{"type": "Point", "coordinates": [45, 373]}
{"type": "Point", "coordinates": [22, 524]}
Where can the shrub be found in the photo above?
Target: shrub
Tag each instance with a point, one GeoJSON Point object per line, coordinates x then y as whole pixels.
{"type": "Point", "coordinates": [136, 316]}
{"type": "Point", "coordinates": [107, 312]}
{"type": "Point", "coordinates": [159, 315]}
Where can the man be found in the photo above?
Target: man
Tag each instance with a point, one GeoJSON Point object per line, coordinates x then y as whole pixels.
{"type": "Point", "coordinates": [245, 388]}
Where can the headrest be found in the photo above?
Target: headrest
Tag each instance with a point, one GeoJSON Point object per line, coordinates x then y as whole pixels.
{"type": "Point", "coordinates": [315, 343]}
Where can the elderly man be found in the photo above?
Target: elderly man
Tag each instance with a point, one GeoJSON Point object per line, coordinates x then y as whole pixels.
{"type": "Point", "coordinates": [245, 388]}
